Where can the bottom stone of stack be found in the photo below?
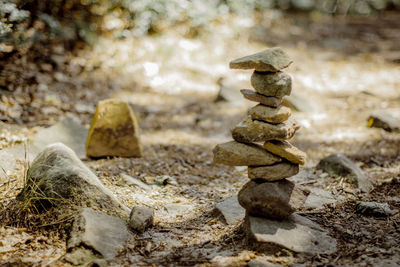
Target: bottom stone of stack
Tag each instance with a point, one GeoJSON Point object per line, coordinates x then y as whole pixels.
{"type": "Point", "coordinates": [296, 233]}
{"type": "Point", "coordinates": [275, 200]}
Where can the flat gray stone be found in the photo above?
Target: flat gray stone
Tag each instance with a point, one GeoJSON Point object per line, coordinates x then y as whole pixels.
{"type": "Point", "coordinates": [318, 198]}
{"type": "Point", "coordinates": [238, 154]}
{"type": "Point", "coordinates": [341, 165]}
{"type": "Point", "coordinates": [104, 234]}
{"type": "Point", "coordinates": [249, 131]}
{"type": "Point", "coordinates": [273, 59]}
{"type": "Point", "coordinates": [296, 233]}
{"type": "Point", "coordinates": [375, 209]}
{"type": "Point", "coordinates": [273, 172]}
{"type": "Point", "coordinates": [269, 101]}
{"type": "Point", "coordinates": [272, 199]}
{"type": "Point", "coordinates": [231, 210]}
{"type": "Point", "coordinates": [277, 84]}
{"type": "Point", "coordinates": [126, 179]}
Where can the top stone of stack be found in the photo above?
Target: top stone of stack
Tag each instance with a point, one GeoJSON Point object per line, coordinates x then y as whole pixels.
{"type": "Point", "coordinates": [273, 60]}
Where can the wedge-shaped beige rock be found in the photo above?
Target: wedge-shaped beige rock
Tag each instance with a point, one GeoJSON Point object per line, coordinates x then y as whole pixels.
{"type": "Point", "coordinates": [239, 154]}
{"type": "Point", "coordinates": [276, 84]}
{"type": "Point", "coordinates": [274, 172]}
{"type": "Point", "coordinates": [273, 59]}
{"type": "Point", "coordinates": [270, 101]}
{"type": "Point", "coordinates": [249, 131]}
{"type": "Point", "coordinates": [268, 114]}
{"type": "Point", "coordinates": [286, 150]}
{"type": "Point", "coordinates": [114, 131]}
{"type": "Point", "coordinates": [275, 200]}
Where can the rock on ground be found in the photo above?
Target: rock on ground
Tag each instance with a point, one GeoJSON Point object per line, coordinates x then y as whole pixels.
{"type": "Point", "coordinates": [131, 181]}
{"type": "Point", "coordinates": [296, 233]}
{"type": "Point", "coordinates": [274, 172]}
{"type": "Point", "coordinates": [231, 210]}
{"type": "Point", "coordinates": [61, 174]}
{"type": "Point", "coordinates": [269, 101]}
{"type": "Point", "coordinates": [103, 234]}
{"type": "Point", "coordinates": [268, 114]}
{"type": "Point", "coordinates": [318, 198]}
{"type": "Point", "coordinates": [339, 164]}
{"type": "Point", "coordinates": [239, 154]}
{"type": "Point", "coordinates": [272, 199]}
{"type": "Point", "coordinates": [374, 208]}
{"type": "Point", "coordinates": [273, 59]}
{"type": "Point", "coordinates": [249, 131]}
{"type": "Point", "coordinates": [277, 84]}
{"type": "Point", "coordinates": [114, 131]}
{"type": "Point", "coordinates": [388, 120]}
{"type": "Point", "coordinates": [286, 150]}
{"type": "Point", "coordinates": [141, 218]}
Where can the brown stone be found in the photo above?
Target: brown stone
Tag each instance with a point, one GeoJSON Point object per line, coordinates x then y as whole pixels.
{"type": "Point", "coordinates": [273, 59]}
{"type": "Point", "coordinates": [268, 114]}
{"type": "Point", "coordinates": [270, 101]}
{"type": "Point", "coordinates": [114, 131]}
{"type": "Point", "coordinates": [276, 84]}
{"type": "Point", "coordinates": [239, 154]}
{"type": "Point", "coordinates": [249, 131]}
{"type": "Point", "coordinates": [286, 150]}
{"type": "Point", "coordinates": [274, 172]}
{"type": "Point", "coordinates": [275, 200]}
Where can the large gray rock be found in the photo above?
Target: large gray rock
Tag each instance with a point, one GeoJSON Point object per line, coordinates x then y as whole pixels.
{"type": "Point", "coordinates": [339, 164]}
{"type": "Point", "coordinates": [269, 101]}
{"type": "Point", "coordinates": [273, 59]}
{"type": "Point", "coordinates": [385, 119]}
{"type": "Point", "coordinates": [277, 84]}
{"type": "Point", "coordinates": [274, 172]}
{"type": "Point", "coordinates": [296, 233]}
{"type": "Point", "coordinates": [104, 234]}
{"type": "Point", "coordinates": [249, 131]}
{"type": "Point", "coordinates": [239, 154]}
{"type": "Point", "coordinates": [275, 200]}
{"type": "Point", "coordinates": [61, 174]}
{"type": "Point", "coordinates": [231, 210]}
{"type": "Point", "coordinates": [268, 114]}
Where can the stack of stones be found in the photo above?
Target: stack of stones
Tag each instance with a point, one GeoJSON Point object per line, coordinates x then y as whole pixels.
{"type": "Point", "coordinates": [268, 194]}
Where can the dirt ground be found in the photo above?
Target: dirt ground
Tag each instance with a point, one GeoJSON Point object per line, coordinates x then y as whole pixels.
{"type": "Point", "coordinates": [343, 69]}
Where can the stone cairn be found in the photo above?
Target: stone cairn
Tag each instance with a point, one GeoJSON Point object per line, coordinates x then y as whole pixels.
{"type": "Point", "coordinates": [269, 194]}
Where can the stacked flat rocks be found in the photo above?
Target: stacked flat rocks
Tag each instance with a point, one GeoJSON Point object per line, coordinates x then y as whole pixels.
{"type": "Point", "coordinates": [260, 141]}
